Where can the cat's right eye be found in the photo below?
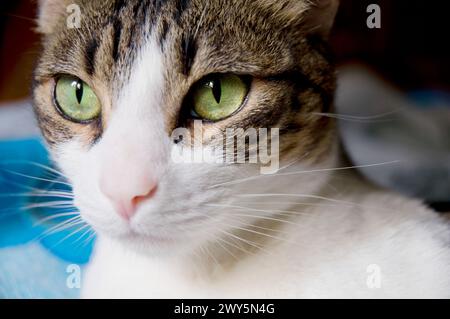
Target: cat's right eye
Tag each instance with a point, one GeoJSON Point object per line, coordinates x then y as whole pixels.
{"type": "Point", "coordinates": [218, 96]}
{"type": "Point", "coordinates": [76, 100]}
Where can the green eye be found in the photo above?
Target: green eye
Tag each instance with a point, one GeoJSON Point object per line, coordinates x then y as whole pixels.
{"type": "Point", "coordinates": [219, 96]}
{"type": "Point", "coordinates": [76, 100]}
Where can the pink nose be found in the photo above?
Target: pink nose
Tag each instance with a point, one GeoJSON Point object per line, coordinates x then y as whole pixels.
{"type": "Point", "coordinates": [127, 195]}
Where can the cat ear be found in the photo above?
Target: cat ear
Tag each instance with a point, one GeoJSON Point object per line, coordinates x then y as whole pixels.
{"type": "Point", "coordinates": [49, 13]}
{"type": "Point", "coordinates": [320, 16]}
{"type": "Point", "coordinates": [317, 16]}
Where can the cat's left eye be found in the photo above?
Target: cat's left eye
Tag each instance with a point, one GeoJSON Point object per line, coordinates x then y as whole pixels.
{"type": "Point", "coordinates": [76, 100]}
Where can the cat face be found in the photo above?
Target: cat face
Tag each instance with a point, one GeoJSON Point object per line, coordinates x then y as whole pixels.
{"type": "Point", "coordinates": [110, 94]}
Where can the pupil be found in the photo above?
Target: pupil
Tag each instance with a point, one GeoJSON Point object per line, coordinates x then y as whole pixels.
{"type": "Point", "coordinates": [216, 90]}
{"type": "Point", "coordinates": [79, 91]}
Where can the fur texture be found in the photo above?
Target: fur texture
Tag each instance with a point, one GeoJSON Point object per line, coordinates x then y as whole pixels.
{"type": "Point", "coordinates": [224, 230]}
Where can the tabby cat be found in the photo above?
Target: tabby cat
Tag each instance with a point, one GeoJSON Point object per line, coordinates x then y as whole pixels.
{"type": "Point", "coordinates": [109, 94]}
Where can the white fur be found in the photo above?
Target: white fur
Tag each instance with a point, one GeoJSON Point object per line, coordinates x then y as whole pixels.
{"type": "Point", "coordinates": [177, 245]}
{"type": "Point", "coordinates": [326, 255]}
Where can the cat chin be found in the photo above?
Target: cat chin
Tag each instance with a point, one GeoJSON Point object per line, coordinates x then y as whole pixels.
{"type": "Point", "coordinates": [152, 246]}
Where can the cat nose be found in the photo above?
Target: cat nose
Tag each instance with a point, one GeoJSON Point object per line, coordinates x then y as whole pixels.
{"type": "Point", "coordinates": [126, 197]}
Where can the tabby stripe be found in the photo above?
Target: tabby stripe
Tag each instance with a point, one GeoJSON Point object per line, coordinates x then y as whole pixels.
{"type": "Point", "coordinates": [117, 27]}
{"type": "Point", "coordinates": [188, 53]}
{"type": "Point", "coordinates": [164, 32]}
{"type": "Point", "coordinates": [302, 81]}
{"type": "Point", "coordinates": [118, 6]}
{"type": "Point", "coordinates": [141, 8]}
{"type": "Point", "coordinates": [181, 7]}
{"type": "Point", "coordinates": [89, 56]}
{"type": "Point", "coordinates": [159, 4]}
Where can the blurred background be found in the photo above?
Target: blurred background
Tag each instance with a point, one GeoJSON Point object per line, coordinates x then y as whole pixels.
{"type": "Point", "coordinates": [393, 106]}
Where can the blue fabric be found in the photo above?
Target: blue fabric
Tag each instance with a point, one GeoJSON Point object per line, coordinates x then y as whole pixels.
{"type": "Point", "coordinates": [34, 256]}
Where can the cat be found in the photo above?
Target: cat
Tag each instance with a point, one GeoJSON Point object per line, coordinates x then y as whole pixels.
{"type": "Point", "coordinates": [108, 96]}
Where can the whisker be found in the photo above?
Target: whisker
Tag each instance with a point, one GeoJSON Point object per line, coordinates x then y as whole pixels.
{"type": "Point", "coordinates": [219, 241]}
{"type": "Point", "coordinates": [266, 218]}
{"type": "Point", "coordinates": [251, 178]}
{"type": "Point", "coordinates": [255, 209]}
{"type": "Point", "coordinates": [71, 234]}
{"type": "Point", "coordinates": [53, 204]}
{"type": "Point", "coordinates": [36, 178]}
{"type": "Point", "coordinates": [84, 234]}
{"type": "Point", "coordinates": [21, 209]}
{"type": "Point", "coordinates": [40, 165]}
{"type": "Point", "coordinates": [238, 245]}
{"type": "Point", "coordinates": [234, 237]}
{"type": "Point", "coordinates": [55, 216]}
{"type": "Point", "coordinates": [255, 216]}
{"type": "Point", "coordinates": [262, 228]}
{"type": "Point", "coordinates": [354, 118]}
{"type": "Point", "coordinates": [28, 187]}
{"type": "Point", "coordinates": [208, 253]}
{"type": "Point", "coordinates": [90, 238]}
{"type": "Point", "coordinates": [261, 234]}
{"type": "Point", "coordinates": [61, 226]}
{"type": "Point", "coordinates": [342, 202]}
{"type": "Point", "coordinates": [40, 194]}
{"type": "Point", "coordinates": [19, 17]}
{"type": "Point", "coordinates": [245, 241]}
{"type": "Point", "coordinates": [295, 203]}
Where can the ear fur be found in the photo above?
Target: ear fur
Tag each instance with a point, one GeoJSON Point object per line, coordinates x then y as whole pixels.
{"type": "Point", "coordinates": [321, 15]}
{"type": "Point", "coordinates": [49, 13]}
{"type": "Point", "coordinates": [316, 15]}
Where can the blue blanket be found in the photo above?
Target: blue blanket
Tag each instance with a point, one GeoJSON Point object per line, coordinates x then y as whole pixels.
{"type": "Point", "coordinates": [43, 244]}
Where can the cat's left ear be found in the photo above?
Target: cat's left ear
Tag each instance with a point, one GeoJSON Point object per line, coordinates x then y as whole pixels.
{"type": "Point", "coordinates": [49, 14]}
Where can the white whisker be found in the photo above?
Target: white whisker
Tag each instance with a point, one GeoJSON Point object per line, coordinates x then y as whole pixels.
{"type": "Point", "coordinates": [72, 234]}
{"type": "Point", "coordinates": [55, 216]}
{"type": "Point", "coordinates": [253, 244]}
{"type": "Point", "coordinates": [354, 118]}
{"type": "Point", "coordinates": [62, 226]}
{"type": "Point", "coordinates": [255, 209]}
{"type": "Point", "coordinates": [47, 168]}
{"type": "Point", "coordinates": [259, 233]}
{"type": "Point", "coordinates": [251, 178]}
{"type": "Point", "coordinates": [37, 178]}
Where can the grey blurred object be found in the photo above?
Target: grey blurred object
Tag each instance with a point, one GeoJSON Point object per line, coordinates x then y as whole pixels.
{"type": "Point", "coordinates": [379, 124]}
{"type": "Point", "coordinates": [17, 121]}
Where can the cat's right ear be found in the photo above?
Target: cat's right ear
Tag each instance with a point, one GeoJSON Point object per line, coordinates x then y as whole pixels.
{"type": "Point", "coordinates": [49, 14]}
{"type": "Point", "coordinates": [317, 16]}
{"type": "Point", "coordinates": [320, 16]}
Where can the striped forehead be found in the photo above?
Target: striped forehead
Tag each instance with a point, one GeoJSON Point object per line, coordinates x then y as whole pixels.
{"type": "Point", "coordinates": [113, 42]}
{"type": "Point", "coordinates": [235, 36]}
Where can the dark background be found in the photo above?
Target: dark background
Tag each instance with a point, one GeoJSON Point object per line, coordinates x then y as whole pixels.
{"type": "Point", "coordinates": [410, 50]}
